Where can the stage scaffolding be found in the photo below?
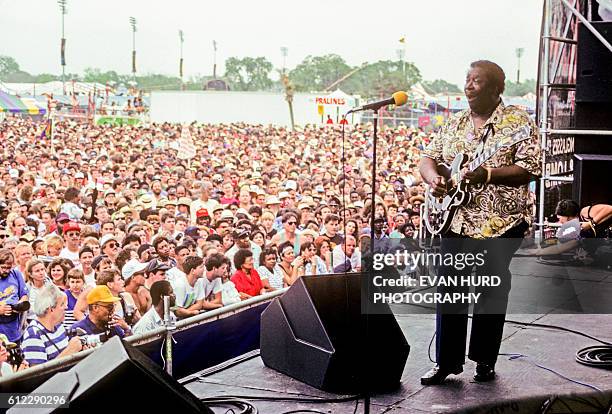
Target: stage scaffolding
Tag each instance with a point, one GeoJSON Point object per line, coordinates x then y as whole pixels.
{"type": "Point", "coordinates": [556, 96]}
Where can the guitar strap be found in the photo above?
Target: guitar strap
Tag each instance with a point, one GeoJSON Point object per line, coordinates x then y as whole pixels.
{"type": "Point", "coordinates": [489, 131]}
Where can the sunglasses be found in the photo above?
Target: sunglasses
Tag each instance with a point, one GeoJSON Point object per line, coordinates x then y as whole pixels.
{"type": "Point", "coordinates": [292, 223]}
{"type": "Point", "coordinates": [112, 245]}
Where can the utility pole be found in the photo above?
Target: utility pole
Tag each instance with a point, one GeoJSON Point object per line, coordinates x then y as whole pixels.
{"type": "Point", "coordinates": [133, 24]}
{"type": "Point", "coordinates": [519, 54]}
{"type": "Point", "coordinates": [214, 59]}
{"type": "Point", "coordinates": [181, 60]}
{"type": "Point", "coordinates": [62, 4]}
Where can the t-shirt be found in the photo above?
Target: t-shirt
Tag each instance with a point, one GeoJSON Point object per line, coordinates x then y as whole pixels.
{"type": "Point", "coordinates": [569, 230]}
{"type": "Point", "coordinates": [174, 273]}
{"type": "Point", "coordinates": [12, 288]}
{"type": "Point", "coordinates": [187, 295]}
{"type": "Point", "coordinates": [275, 278]}
{"type": "Point", "coordinates": [72, 256]}
{"type": "Point", "coordinates": [229, 293]}
{"type": "Point", "coordinates": [41, 345]}
{"type": "Point", "coordinates": [150, 321]}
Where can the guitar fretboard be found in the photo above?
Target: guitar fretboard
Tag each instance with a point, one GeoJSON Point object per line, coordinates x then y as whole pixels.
{"type": "Point", "coordinates": [520, 135]}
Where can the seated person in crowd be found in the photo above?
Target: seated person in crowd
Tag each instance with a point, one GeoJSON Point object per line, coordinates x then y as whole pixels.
{"type": "Point", "coordinates": [156, 270]}
{"type": "Point", "coordinates": [101, 318]}
{"type": "Point", "coordinates": [193, 290]}
{"type": "Point", "coordinates": [246, 278]}
{"type": "Point", "coordinates": [45, 337]}
{"type": "Point", "coordinates": [154, 318]}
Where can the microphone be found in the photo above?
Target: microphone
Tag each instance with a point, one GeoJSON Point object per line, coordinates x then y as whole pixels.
{"type": "Point", "coordinates": [399, 98]}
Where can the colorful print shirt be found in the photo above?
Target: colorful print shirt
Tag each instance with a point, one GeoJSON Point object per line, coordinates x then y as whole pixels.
{"type": "Point", "coordinates": [493, 208]}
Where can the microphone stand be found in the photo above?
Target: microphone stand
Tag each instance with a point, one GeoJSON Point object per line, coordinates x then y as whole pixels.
{"type": "Point", "coordinates": [366, 397]}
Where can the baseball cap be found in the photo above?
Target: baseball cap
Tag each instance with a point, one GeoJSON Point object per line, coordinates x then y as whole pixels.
{"type": "Point", "coordinates": [131, 267]}
{"type": "Point", "coordinates": [202, 213]}
{"type": "Point", "coordinates": [61, 217]}
{"type": "Point", "coordinates": [240, 233]}
{"type": "Point", "coordinates": [283, 194]}
{"type": "Point", "coordinates": [101, 293]}
{"type": "Point", "coordinates": [71, 226]}
{"type": "Point", "coordinates": [155, 266]}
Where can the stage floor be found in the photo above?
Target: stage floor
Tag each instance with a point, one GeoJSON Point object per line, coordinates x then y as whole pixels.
{"type": "Point", "coordinates": [517, 378]}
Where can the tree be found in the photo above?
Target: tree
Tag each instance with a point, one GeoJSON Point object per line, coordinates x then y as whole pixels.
{"type": "Point", "coordinates": [382, 78]}
{"type": "Point", "coordinates": [441, 86]}
{"type": "Point", "coordinates": [316, 73]}
{"type": "Point", "coordinates": [45, 77]}
{"type": "Point", "coordinates": [248, 74]}
{"type": "Point", "coordinates": [8, 66]}
{"type": "Point", "coordinates": [520, 89]}
{"type": "Point", "coordinates": [96, 75]}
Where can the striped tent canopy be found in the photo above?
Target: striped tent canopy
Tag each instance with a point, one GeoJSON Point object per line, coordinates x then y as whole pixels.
{"type": "Point", "coordinates": [13, 104]}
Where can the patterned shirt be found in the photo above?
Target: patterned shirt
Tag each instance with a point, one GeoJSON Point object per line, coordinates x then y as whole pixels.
{"type": "Point", "coordinates": [493, 208]}
{"type": "Point", "coordinates": [41, 345]}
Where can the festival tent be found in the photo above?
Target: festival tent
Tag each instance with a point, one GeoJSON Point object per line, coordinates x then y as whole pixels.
{"type": "Point", "coordinates": [14, 104]}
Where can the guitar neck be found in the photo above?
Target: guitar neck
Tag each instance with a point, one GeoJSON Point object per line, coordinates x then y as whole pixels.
{"type": "Point", "coordinates": [521, 135]}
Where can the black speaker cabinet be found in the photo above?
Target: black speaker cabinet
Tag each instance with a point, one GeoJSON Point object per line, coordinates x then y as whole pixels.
{"type": "Point", "coordinates": [316, 333]}
{"type": "Point", "coordinates": [118, 375]}
{"type": "Point", "coordinates": [594, 66]}
{"type": "Point", "coordinates": [590, 179]}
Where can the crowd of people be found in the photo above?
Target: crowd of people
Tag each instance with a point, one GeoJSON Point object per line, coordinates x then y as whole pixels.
{"type": "Point", "coordinates": [100, 223]}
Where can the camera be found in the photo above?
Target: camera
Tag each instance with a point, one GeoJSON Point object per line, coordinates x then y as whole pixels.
{"type": "Point", "coordinates": [89, 340]}
{"type": "Point", "coordinates": [19, 307]}
{"type": "Point", "coordinates": [15, 355]}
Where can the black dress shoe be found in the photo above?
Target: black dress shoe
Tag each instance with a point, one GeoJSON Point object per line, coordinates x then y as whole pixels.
{"type": "Point", "coordinates": [437, 375]}
{"type": "Point", "coordinates": [484, 373]}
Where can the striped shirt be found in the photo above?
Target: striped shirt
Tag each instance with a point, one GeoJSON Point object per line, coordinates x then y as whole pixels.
{"type": "Point", "coordinates": [41, 345]}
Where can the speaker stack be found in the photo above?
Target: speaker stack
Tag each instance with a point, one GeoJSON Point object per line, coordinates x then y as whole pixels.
{"type": "Point", "coordinates": [317, 334]}
{"type": "Point", "coordinates": [593, 153]}
{"type": "Point", "coordinates": [117, 377]}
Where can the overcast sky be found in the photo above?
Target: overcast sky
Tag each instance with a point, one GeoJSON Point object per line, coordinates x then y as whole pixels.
{"type": "Point", "coordinates": [442, 36]}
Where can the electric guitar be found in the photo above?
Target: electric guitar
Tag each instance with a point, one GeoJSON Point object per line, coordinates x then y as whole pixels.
{"type": "Point", "coordinates": [440, 211]}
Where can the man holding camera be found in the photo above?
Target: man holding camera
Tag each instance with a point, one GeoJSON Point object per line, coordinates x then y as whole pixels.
{"type": "Point", "coordinates": [13, 294]}
{"type": "Point", "coordinates": [101, 319]}
{"type": "Point", "coordinates": [45, 337]}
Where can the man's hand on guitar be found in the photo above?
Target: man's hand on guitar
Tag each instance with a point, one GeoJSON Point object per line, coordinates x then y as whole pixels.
{"type": "Point", "coordinates": [478, 176]}
{"type": "Point", "coordinates": [438, 186]}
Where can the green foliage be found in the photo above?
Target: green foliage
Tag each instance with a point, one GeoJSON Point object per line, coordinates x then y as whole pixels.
{"type": "Point", "coordinates": [520, 89]}
{"type": "Point", "coordinates": [46, 77]}
{"type": "Point", "coordinates": [316, 73]}
{"type": "Point", "coordinates": [248, 74]}
{"type": "Point", "coordinates": [382, 78]}
{"type": "Point", "coordinates": [8, 66]}
{"type": "Point", "coordinates": [441, 86]}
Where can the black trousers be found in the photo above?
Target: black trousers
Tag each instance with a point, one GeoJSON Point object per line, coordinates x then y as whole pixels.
{"type": "Point", "coordinates": [489, 311]}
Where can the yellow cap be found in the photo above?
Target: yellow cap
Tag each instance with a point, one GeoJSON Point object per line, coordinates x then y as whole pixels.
{"type": "Point", "coordinates": [101, 294]}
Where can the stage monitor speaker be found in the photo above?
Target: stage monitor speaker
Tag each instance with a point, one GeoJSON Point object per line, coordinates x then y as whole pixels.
{"type": "Point", "coordinates": [593, 90]}
{"type": "Point", "coordinates": [590, 172]}
{"type": "Point", "coordinates": [594, 66]}
{"type": "Point", "coordinates": [317, 334]}
{"type": "Point", "coordinates": [117, 376]}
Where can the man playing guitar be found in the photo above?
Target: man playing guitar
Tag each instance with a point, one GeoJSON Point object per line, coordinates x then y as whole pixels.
{"type": "Point", "coordinates": [498, 210]}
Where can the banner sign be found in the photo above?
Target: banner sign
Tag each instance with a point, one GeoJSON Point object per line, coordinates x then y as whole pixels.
{"type": "Point", "coordinates": [187, 149]}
